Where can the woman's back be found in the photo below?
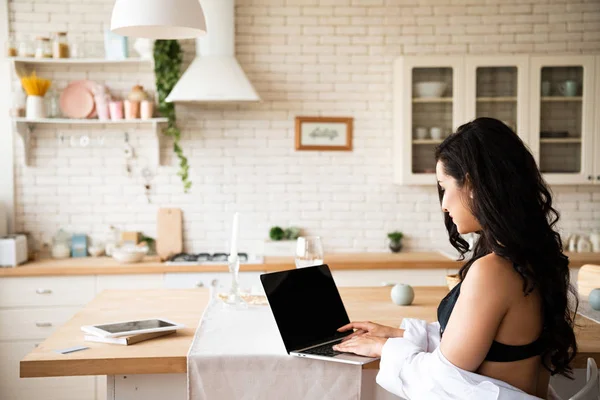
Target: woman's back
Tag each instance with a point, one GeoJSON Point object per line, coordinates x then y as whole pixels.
{"type": "Point", "coordinates": [520, 324]}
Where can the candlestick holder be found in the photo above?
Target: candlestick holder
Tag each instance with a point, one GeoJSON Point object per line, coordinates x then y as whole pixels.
{"type": "Point", "coordinates": [234, 299]}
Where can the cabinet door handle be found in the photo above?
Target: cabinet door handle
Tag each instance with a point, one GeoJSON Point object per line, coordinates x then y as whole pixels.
{"type": "Point", "coordinates": [590, 177]}
{"type": "Point", "coordinates": [598, 177]}
{"type": "Point", "coordinates": [214, 283]}
{"type": "Point", "coordinates": [43, 291]}
{"type": "Point", "coordinates": [43, 324]}
{"type": "Point", "coordinates": [199, 284]}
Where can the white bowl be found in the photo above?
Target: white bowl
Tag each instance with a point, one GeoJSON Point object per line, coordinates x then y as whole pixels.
{"type": "Point", "coordinates": [430, 89]}
{"type": "Point", "coordinates": [129, 254]}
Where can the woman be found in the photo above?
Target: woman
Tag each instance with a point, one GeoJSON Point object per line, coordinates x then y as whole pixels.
{"type": "Point", "coordinates": [509, 318]}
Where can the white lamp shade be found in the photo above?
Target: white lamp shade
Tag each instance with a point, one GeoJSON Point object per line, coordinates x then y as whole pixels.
{"type": "Point", "coordinates": [158, 19]}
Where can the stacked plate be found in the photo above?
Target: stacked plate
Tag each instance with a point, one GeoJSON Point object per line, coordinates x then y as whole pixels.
{"type": "Point", "coordinates": [77, 100]}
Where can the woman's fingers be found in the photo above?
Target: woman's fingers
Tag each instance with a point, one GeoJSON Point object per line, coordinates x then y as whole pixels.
{"type": "Point", "coordinates": [355, 325]}
{"type": "Point", "coordinates": [356, 333]}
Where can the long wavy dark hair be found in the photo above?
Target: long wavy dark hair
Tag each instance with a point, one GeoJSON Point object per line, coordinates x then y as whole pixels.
{"type": "Point", "coordinates": [513, 205]}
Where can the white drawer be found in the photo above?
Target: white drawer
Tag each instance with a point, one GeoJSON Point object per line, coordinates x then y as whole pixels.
{"type": "Point", "coordinates": [135, 281]}
{"type": "Point", "coordinates": [34, 323]}
{"type": "Point", "coordinates": [248, 280]}
{"type": "Point", "coordinates": [46, 291]}
{"type": "Point", "coordinates": [414, 277]}
{"type": "Point", "coordinates": [14, 388]}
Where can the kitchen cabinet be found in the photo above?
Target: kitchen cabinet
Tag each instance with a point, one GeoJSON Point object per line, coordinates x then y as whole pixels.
{"type": "Point", "coordinates": [548, 100]}
{"type": "Point", "coordinates": [220, 280]}
{"type": "Point", "coordinates": [418, 277]}
{"type": "Point", "coordinates": [496, 87]}
{"type": "Point", "coordinates": [562, 117]}
{"type": "Point", "coordinates": [415, 113]}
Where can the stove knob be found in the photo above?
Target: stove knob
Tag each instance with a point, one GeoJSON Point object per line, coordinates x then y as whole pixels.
{"type": "Point", "coordinates": [199, 284]}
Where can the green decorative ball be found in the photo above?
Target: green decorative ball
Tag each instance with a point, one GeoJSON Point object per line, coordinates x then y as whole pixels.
{"type": "Point", "coordinates": [402, 294]}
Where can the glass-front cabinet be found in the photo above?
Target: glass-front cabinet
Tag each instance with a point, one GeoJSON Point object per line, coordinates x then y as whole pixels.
{"type": "Point", "coordinates": [550, 101]}
{"type": "Point", "coordinates": [427, 96]}
{"type": "Point", "coordinates": [496, 87]}
{"type": "Point", "coordinates": [562, 117]}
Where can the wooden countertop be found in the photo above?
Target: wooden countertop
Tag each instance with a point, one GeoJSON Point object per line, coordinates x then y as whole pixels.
{"type": "Point", "coordinates": [168, 354]}
{"type": "Point", "coordinates": [152, 265]}
{"type": "Point", "coordinates": [350, 261]}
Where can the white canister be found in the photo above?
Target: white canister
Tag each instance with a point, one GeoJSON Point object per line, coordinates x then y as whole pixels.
{"type": "Point", "coordinates": [35, 108]}
{"type": "Point", "coordinates": [584, 245]}
{"type": "Point", "coordinates": [595, 239]}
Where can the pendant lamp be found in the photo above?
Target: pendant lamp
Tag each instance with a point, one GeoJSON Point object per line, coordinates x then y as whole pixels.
{"type": "Point", "coordinates": [158, 19]}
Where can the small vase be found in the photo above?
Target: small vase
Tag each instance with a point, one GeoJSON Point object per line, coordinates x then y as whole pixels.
{"type": "Point", "coordinates": [395, 247]}
{"type": "Point", "coordinates": [36, 107]}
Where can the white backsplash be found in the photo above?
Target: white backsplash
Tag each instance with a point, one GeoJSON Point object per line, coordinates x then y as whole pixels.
{"type": "Point", "coordinates": [305, 57]}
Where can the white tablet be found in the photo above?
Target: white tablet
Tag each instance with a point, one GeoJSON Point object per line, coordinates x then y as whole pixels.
{"type": "Point", "coordinates": [135, 327]}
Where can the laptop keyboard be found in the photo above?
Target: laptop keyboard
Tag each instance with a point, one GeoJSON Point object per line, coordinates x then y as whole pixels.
{"type": "Point", "coordinates": [324, 350]}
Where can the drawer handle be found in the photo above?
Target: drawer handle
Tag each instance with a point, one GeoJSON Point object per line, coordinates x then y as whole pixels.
{"type": "Point", "coordinates": [43, 291]}
{"type": "Point", "coordinates": [43, 324]}
{"type": "Point", "coordinates": [214, 283]}
{"type": "Point", "coordinates": [199, 284]}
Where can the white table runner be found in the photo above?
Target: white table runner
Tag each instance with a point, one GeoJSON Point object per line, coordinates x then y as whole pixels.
{"type": "Point", "coordinates": [587, 311]}
{"type": "Point", "coordinates": [239, 354]}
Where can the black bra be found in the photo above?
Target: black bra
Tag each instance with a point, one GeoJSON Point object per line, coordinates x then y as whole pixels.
{"type": "Point", "coordinates": [498, 352]}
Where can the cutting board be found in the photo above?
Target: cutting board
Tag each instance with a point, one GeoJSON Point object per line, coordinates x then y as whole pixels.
{"type": "Point", "coordinates": [169, 232]}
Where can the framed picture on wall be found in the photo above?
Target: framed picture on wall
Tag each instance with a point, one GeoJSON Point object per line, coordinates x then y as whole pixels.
{"type": "Point", "coordinates": [324, 133]}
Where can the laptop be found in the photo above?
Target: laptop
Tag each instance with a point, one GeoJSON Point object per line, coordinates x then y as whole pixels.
{"type": "Point", "coordinates": [308, 310]}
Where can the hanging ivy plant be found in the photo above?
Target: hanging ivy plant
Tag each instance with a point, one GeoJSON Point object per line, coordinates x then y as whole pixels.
{"type": "Point", "coordinates": [168, 57]}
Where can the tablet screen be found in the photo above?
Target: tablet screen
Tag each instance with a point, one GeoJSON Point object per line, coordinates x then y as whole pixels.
{"type": "Point", "coordinates": [134, 325]}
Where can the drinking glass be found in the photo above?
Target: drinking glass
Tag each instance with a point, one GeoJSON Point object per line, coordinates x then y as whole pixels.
{"type": "Point", "coordinates": [309, 251]}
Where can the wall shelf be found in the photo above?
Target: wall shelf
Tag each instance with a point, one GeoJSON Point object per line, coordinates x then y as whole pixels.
{"type": "Point", "coordinates": [81, 61]}
{"type": "Point", "coordinates": [25, 128]}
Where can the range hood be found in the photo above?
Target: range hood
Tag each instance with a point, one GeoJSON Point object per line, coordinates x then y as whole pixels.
{"type": "Point", "coordinates": [215, 75]}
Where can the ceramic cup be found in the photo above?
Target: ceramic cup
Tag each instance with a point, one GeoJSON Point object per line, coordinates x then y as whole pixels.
{"type": "Point", "coordinates": [147, 109]}
{"type": "Point", "coordinates": [546, 88]}
{"type": "Point", "coordinates": [568, 88]}
{"type": "Point", "coordinates": [116, 110]}
{"type": "Point", "coordinates": [421, 133]}
{"type": "Point", "coordinates": [436, 133]}
{"type": "Point", "coordinates": [132, 109]}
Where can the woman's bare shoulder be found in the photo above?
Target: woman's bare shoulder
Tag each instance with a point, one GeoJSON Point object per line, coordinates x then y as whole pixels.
{"type": "Point", "coordinates": [493, 274]}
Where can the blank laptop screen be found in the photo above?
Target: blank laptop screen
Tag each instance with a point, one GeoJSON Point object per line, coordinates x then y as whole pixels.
{"type": "Point", "coordinates": [306, 305]}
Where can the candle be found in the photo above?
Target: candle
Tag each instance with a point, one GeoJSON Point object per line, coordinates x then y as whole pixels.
{"type": "Point", "coordinates": [234, 235]}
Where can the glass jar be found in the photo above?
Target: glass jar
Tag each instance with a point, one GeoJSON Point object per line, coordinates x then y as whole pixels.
{"type": "Point", "coordinates": [11, 47]}
{"type": "Point", "coordinates": [52, 104]}
{"type": "Point", "coordinates": [18, 100]}
{"type": "Point", "coordinates": [25, 48]}
{"type": "Point", "coordinates": [43, 49]}
{"type": "Point", "coordinates": [60, 46]}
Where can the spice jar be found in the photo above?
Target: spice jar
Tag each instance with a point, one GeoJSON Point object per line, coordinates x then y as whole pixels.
{"type": "Point", "coordinates": [11, 47]}
{"type": "Point", "coordinates": [25, 48]}
{"type": "Point", "coordinates": [60, 46]}
{"type": "Point", "coordinates": [42, 47]}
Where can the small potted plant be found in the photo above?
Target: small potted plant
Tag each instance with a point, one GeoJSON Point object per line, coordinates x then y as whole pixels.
{"type": "Point", "coordinates": [395, 241]}
{"type": "Point", "coordinates": [283, 241]}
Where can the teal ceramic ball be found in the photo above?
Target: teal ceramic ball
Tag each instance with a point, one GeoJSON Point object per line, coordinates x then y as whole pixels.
{"type": "Point", "coordinates": [594, 299]}
{"type": "Point", "coordinates": [402, 294]}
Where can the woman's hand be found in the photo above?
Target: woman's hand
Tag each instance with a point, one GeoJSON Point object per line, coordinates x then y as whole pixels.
{"type": "Point", "coordinates": [363, 345]}
{"type": "Point", "coordinates": [371, 328]}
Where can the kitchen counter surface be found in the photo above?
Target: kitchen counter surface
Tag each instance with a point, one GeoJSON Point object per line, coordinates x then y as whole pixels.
{"type": "Point", "coordinates": [152, 265]}
{"type": "Point", "coordinates": [350, 261]}
{"type": "Point", "coordinates": [168, 354]}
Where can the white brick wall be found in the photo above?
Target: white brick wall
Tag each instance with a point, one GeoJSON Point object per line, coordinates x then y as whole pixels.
{"type": "Point", "coordinates": [305, 57]}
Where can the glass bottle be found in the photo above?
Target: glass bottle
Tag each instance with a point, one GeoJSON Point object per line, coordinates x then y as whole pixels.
{"type": "Point", "coordinates": [19, 99]}
{"type": "Point", "coordinates": [60, 45]}
{"type": "Point", "coordinates": [52, 103]}
{"type": "Point", "coordinates": [11, 47]}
